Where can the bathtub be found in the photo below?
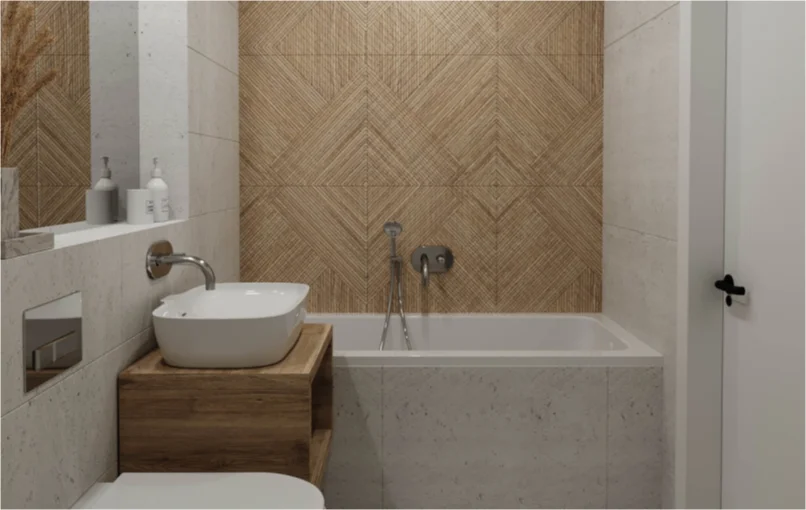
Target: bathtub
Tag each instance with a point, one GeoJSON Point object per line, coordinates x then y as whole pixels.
{"type": "Point", "coordinates": [494, 411]}
{"type": "Point", "coordinates": [487, 340]}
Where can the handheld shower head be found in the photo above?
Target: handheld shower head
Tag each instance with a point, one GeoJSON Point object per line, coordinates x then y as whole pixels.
{"type": "Point", "coordinates": [392, 228]}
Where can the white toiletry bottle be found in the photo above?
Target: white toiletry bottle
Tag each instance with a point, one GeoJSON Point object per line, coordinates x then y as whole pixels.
{"type": "Point", "coordinates": [105, 183]}
{"type": "Point", "coordinates": [159, 195]}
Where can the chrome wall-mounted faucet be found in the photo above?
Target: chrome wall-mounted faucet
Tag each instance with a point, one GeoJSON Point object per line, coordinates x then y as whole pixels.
{"type": "Point", "coordinates": [428, 260]}
{"type": "Point", "coordinates": [161, 257]}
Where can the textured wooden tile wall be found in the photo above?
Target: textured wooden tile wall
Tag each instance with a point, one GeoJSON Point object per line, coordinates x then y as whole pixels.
{"type": "Point", "coordinates": [477, 125]}
{"type": "Point", "coordinates": [51, 138]}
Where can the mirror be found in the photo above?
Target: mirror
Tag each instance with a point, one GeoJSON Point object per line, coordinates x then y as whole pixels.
{"type": "Point", "coordinates": [86, 108]}
{"type": "Point", "coordinates": [51, 337]}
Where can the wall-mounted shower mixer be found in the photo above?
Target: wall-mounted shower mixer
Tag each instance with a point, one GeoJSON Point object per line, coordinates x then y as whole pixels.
{"type": "Point", "coordinates": [428, 260]}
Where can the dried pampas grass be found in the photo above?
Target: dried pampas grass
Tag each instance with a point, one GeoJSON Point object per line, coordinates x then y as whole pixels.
{"type": "Point", "coordinates": [17, 87]}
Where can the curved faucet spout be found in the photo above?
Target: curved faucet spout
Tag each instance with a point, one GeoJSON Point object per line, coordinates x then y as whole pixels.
{"type": "Point", "coordinates": [426, 276]}
{"type": "Point", "coordinates": [181, 258]}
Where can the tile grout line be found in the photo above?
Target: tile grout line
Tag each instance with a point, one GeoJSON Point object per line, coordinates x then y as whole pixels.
{"type": "Point", "coordinates": [653, 18]}
{"type": "Point", "coordinates": [222, 66]}
{"type": "Point", "coordinates": [497, 110]}
{"type": "Point", "coordinates": [366, 163]}
{"type": "Point", "coordinates": [636, 231]}
{"type": "Point", "coordinates": [213, 136]}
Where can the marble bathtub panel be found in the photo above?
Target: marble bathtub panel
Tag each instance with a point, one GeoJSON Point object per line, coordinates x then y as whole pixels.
{"type": "Point", "coordinates": [494, 437]}
{"type": "Point", "coordinates": [634, 445]}
{"type": "Point", "coordinates": [354, 473]}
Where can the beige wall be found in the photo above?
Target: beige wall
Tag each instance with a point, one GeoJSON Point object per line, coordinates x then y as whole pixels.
{"type": "Point", "coordinates": [62, 437]}
{"type": "Point", "coordinates": [640, 196]}
{"type": "Point", "coordinates": [475, 124]}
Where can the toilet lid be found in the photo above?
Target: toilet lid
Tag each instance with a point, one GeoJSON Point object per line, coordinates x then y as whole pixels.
{"type": "Point", "coordinates": [205, 490]}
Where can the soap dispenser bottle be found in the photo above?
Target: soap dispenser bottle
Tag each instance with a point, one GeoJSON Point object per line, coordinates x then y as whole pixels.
{"type": "Point", "coordinates": [159, 194]}
{"type": "Point", "coordinates": [105, 183]}
{"type": "Point", "coordinates": [101, 202]}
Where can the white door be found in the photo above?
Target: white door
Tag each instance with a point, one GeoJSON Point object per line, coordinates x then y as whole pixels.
{"type": "Point", "coordinates": [763, 372]}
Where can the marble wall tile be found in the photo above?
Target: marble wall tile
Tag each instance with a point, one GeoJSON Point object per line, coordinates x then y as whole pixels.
{"type": "Point", "coordinates": [36, 279]}
{"type": "Point", "coordinates": [214, 179]}
{"type": "Point", "coordinates": [634, 445]}
{"type": "Point", "coordinates": [639, 285]}
{"type": "Point", "coordinates": [58, 444]}
{"type": "Point", "coordinates": [620, 18]}
{"type": "Point", "coordinates": [216, 237]}
{"type": "Point", "coordinates": [354, 473]}
{"type": "Point", "coordinates": [213, 95]}
{"type": "Point", "coordinates": [494, 437]}
{"type": "Point", "coordinates": [163, 58]}
{"type": "Point", "coordinates": [640, 128]}
{"type": "Point", "coordinates": [213, 32]}
{"type": "Point", "coordinates": [115, 97]}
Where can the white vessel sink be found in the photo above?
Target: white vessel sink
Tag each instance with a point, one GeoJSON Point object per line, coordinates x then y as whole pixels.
{"type": "Point", "coordinates": [237, 325]}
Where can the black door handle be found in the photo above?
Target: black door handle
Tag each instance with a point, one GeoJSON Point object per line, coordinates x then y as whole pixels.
{"type": "Point", "coordinates": [729, 287]}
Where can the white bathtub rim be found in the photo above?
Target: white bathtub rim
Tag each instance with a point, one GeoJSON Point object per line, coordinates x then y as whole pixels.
{"type": "Point", "coordinates": [502, 359]}
{"type": "Point", "coordinates": [637, 353]}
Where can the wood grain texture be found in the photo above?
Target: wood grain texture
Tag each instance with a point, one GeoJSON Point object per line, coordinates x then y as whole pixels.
{"type": "Point", "coordinates": [549, 246]}
{"type": "Point", "coordinates": [303, 121]}
{"type": "Point", "coordinates": [61, 204]}
{"type": "Point", "coordinates": [29, 207]}
{"type": "Point", "coordinates": [63, 123]}
{"type": "Point", "coordinates": [302, 28]}
{"type": "Point", "coordinates": [431, 28]}
{"type": "Point", "coordinates": [51, 138]}
{"type": "Point", "coordinates": [551, 28]}
{"type": "Point", "coordinates": [251, 420]}
{"type": "Point", "coordinates": [308, 234]}
{"type": "Point", "coordinates": [476, 124]}
{"type": "Point", "coordinates": [69, 23]}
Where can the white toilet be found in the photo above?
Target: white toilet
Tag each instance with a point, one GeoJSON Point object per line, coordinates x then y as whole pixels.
{"type": "Point", "coordinates": [203, 490]}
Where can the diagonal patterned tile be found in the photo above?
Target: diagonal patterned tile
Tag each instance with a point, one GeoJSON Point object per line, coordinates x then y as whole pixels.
{"type": "Point", "coordinates": [69, 23]}
{"type": "Point", "coordinates": [575, 215]}
{"type": "Point", "coordinates": [432, 28]}
{"type": "Point", "coordinates": [302, 28]}
{"type": "Point", "coordinates": [302, 120]}
{"type": "Point", "coordinates": [551, 28]}
{"type": "Point", "coordinates": [332, 150]}
{"type": "Point", "coordinates": [22, 149]}
{"type": "Point", "coordinates": [63, 123]}
{"type": "Point", "coordinates": [581, 32]}
{"type": "Point", "coordinates": [536, 103]}
{"type": "Point", "coordinates": [61, 204]}
{"type": "Point", "coordinates": [574, 157]}
{"type": "Point", "coordinates": [549, 262]}
{"type": "Point", "coordinates": [311, 235]}
{"type": "Point", "coordinates": [261, 25]}
{"type": "Point", "coordinates": [29, 207]}
{"type": "Point", "coordinates": [424, 129]}
{"type": "Point", "coordinates": [5, 44]}
{"type": "Point", "coordinates": [460, 218]}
